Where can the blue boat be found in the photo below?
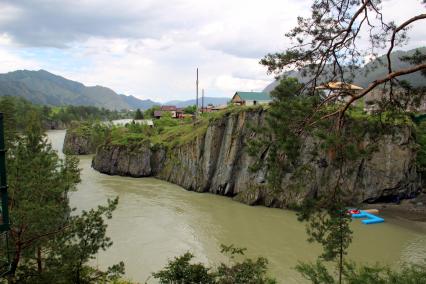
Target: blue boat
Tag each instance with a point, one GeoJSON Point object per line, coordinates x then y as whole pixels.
{"type": "Point", "coordinates": [371, 219]}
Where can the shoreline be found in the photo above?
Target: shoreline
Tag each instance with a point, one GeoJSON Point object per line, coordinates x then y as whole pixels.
{"type": "Point", "coordinates": [405, 214]}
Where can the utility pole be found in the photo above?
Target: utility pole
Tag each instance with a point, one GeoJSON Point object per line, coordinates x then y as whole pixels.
{"type": "Point", "coordinates": [196, 101]}
{"type": "Point", "coordinates": [202, 100]}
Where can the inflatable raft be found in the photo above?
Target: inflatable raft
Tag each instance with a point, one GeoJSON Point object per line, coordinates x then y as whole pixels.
{"type": "Point", "coordinates": [369, 218]}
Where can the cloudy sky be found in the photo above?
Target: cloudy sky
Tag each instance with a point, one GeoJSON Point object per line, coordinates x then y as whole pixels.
{"type": "Point", "coordinates": [150, 48]}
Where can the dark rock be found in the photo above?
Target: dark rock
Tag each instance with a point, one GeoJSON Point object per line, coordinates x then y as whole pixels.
{"type": "Point", "coordinates": [75, 144]}
{"type": "Point", "coordinates": [218, 162]}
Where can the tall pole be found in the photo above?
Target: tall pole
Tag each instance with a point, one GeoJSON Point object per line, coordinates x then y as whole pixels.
{"type": "Point", "coordinates": [196, 101]}
{"type": "Point", "coordinates": [202, 100]}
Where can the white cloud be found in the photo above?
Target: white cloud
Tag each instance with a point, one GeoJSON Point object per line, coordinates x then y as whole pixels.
{"type": "Point", "coordinates": [151, 48]}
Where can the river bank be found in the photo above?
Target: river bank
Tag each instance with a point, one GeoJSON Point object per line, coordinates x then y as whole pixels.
{"type": "Point", "coordinates": [156, 221]}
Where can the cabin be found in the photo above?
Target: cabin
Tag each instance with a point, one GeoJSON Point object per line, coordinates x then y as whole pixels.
{"type": "Point", "coordinates": [173, 110]}
{"type": "Point", "coordinates": [251, 98]}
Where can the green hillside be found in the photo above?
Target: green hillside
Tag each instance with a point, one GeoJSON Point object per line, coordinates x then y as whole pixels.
{"type": "Point", "coordinates": [42, 87]}
{"type": "Point", "coordinates": [372, 71]}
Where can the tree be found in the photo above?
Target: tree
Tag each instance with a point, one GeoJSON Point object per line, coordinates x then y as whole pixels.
{"type": "Point", "coordinates": [190, 109]}
{"type": "Point", "coordinates": [8, 108]}
{"type": "Point", "coordinates": [248, 271]}
{"type": "Point", "coordinates": [38, 185]}
{"type": "Point", "coordinates": [327, 47]}
{"type": "Point", "coordinates": [149, 113]}
{"type": "Point", "coordinates": [138, 114]}
{"type": "Point", "coordinates": [42, 228]}
{"type": "Point", "coordinates": [81, 240]}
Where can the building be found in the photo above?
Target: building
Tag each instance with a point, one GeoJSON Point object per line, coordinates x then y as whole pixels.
{"type": "Point", "coordinates": [173, 110]}
{"type": "Point", "coordinates": [251, 98]}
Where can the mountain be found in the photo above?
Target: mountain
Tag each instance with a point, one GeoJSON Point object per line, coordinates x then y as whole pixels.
{"type": "Point", "coordinates": [207, 100]}
{"type": "Point", "coordinates": [42, 87]}
{"type": "Point", "coordinates": [137, 103]}
{"type": "Point", "coordinates": [372, 71]}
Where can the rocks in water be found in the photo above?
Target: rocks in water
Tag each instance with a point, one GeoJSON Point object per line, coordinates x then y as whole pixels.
{"type": "Point", "coordinates": [76, 144]}
{"type": "Point", "coordinates": [217, 161]}
{"type": "Point", "coordinates": [138, 161]}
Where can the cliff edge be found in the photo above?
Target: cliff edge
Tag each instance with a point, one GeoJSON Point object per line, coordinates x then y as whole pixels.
{"type": "Point", "coordinates": [216, 160]}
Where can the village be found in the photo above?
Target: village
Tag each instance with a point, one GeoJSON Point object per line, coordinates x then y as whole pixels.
{"type": "Point", "coordinates": [334, 91]}
{"type": "Point", "coordinates": [239, 99]}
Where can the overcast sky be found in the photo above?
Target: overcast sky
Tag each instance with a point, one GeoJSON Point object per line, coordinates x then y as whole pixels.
{"type": "Point", "coordinates": [150, 48]}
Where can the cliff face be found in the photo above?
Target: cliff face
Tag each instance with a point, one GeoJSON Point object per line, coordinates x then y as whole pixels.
{"type": "Point", "coordinates": [76, 144]}
{"type": "Point", "coordinates": [218, 162]}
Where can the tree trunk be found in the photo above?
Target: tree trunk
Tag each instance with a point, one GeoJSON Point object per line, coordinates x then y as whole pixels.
{"type": "Point", "coordinates": [341, 249]}
{"type": "Point", "coordinates": [39, 262]}
{"type": "Point", "coordinates": [14, 265]}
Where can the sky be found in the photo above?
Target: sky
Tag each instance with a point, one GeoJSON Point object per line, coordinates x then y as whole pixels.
{"type": "Point", "coordinates": [151, 48]}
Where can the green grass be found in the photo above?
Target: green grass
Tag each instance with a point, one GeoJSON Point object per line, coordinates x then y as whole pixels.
{"type": "Point", "coordinates": [170, 132]}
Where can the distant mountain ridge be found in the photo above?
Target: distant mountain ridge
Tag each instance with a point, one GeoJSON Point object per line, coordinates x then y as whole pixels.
{"type": "Point", "coordinates": [207, 100]}
{"type": "Point", "coordinates": [42, 87]}
{"type": "Point", "coordinates": [376, 70]}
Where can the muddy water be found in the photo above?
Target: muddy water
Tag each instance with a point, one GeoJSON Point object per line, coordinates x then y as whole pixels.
{"type": "Point", "coordinates": [156, 220]}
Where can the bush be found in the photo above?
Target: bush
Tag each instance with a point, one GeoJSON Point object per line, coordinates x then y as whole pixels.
{"type": "Point", "coordinates": [248, 271]}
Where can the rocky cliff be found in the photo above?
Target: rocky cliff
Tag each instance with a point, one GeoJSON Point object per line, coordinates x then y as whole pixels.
{"type": "Point", "coordinates": [77, 144]}
{"type": "Point", "coordinates": [217, 161]}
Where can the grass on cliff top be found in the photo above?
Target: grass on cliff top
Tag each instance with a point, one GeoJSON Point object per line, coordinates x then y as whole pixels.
{"type": "Point", "coordinates": [171, 132]}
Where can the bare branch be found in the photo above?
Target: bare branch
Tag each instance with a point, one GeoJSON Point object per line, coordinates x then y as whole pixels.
{"type": "Point", "coordinates": [398, 29]}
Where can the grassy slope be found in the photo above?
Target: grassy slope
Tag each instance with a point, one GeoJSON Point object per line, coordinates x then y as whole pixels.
{"type": "Point", "coordinates": [171, 132]}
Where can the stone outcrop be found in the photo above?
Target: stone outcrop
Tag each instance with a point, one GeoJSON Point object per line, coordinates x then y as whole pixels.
{"type": "Point", "coordinates": [139, 161]}
{"type": "Point", "coordinates": [218, 162]}
{"type": "Point", "coordinates": [53, 125]}
{"type": "Point", "coordinates": [77, 144]}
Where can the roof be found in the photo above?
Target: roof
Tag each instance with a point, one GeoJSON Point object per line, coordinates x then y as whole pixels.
{"type": "Point", "coordinates": [338, 86]}
{"type": "Point", "coordinates": [168, 108]}
{"type": "Point", "coordinates": [253, 96]}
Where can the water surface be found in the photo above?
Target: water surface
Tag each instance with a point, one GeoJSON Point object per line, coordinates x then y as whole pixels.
{"type": "Point", "coordinates": [156, 220]}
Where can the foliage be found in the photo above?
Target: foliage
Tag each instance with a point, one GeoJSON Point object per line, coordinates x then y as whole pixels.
{"type": "Point", "coordinates": [166, 120]}
{"type": "Point", "coordinates": [149, 113]}
{"type": "Point", "coordinates": [77, 244]}
{"type": "Point", "coordinates": [180, 270]}
{"type": "Point", "coordinates": [47, 244]}
{"type": "Point", "coordinates": [138, 114]}
{"type": "Point", "coordinates": [14, 107]}
{"type": "Point", "coordinates": [280, 136]}
{"type": "Point", "coordinates": [190, 109]}
{"type": "Point", "coordinates": [318, 273]}
{"type": "Point", "coordinates": [248, 271]}
{"type": "Point", "coordinates": [326, 49]}
{"type": "Point", "coordinates": [85, 113]}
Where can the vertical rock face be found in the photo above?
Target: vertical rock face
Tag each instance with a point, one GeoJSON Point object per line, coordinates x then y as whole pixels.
{"type": "Point", "coordinates": [138, 161]}
{"type": "Point", "coordinates": [75, 144]}
{"type": "Point", "coordinates": [218, 162]}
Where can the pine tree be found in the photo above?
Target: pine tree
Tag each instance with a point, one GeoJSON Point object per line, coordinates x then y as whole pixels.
{"type": "Point", "coordinates": [138, 114]}
{"type": "Point", "coordinates": [327, 48]}
{"type": "Point", "coordinates": [48, 244]}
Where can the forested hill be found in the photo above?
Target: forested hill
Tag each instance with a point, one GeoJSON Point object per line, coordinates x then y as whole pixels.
{"type": "Point", "coordinates": [44, 88]}
{"type": "Point", "coordinates": [372, 71]}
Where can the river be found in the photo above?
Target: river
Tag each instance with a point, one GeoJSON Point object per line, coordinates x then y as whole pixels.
{"type": "Point", "coordinates": [157, 220]}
